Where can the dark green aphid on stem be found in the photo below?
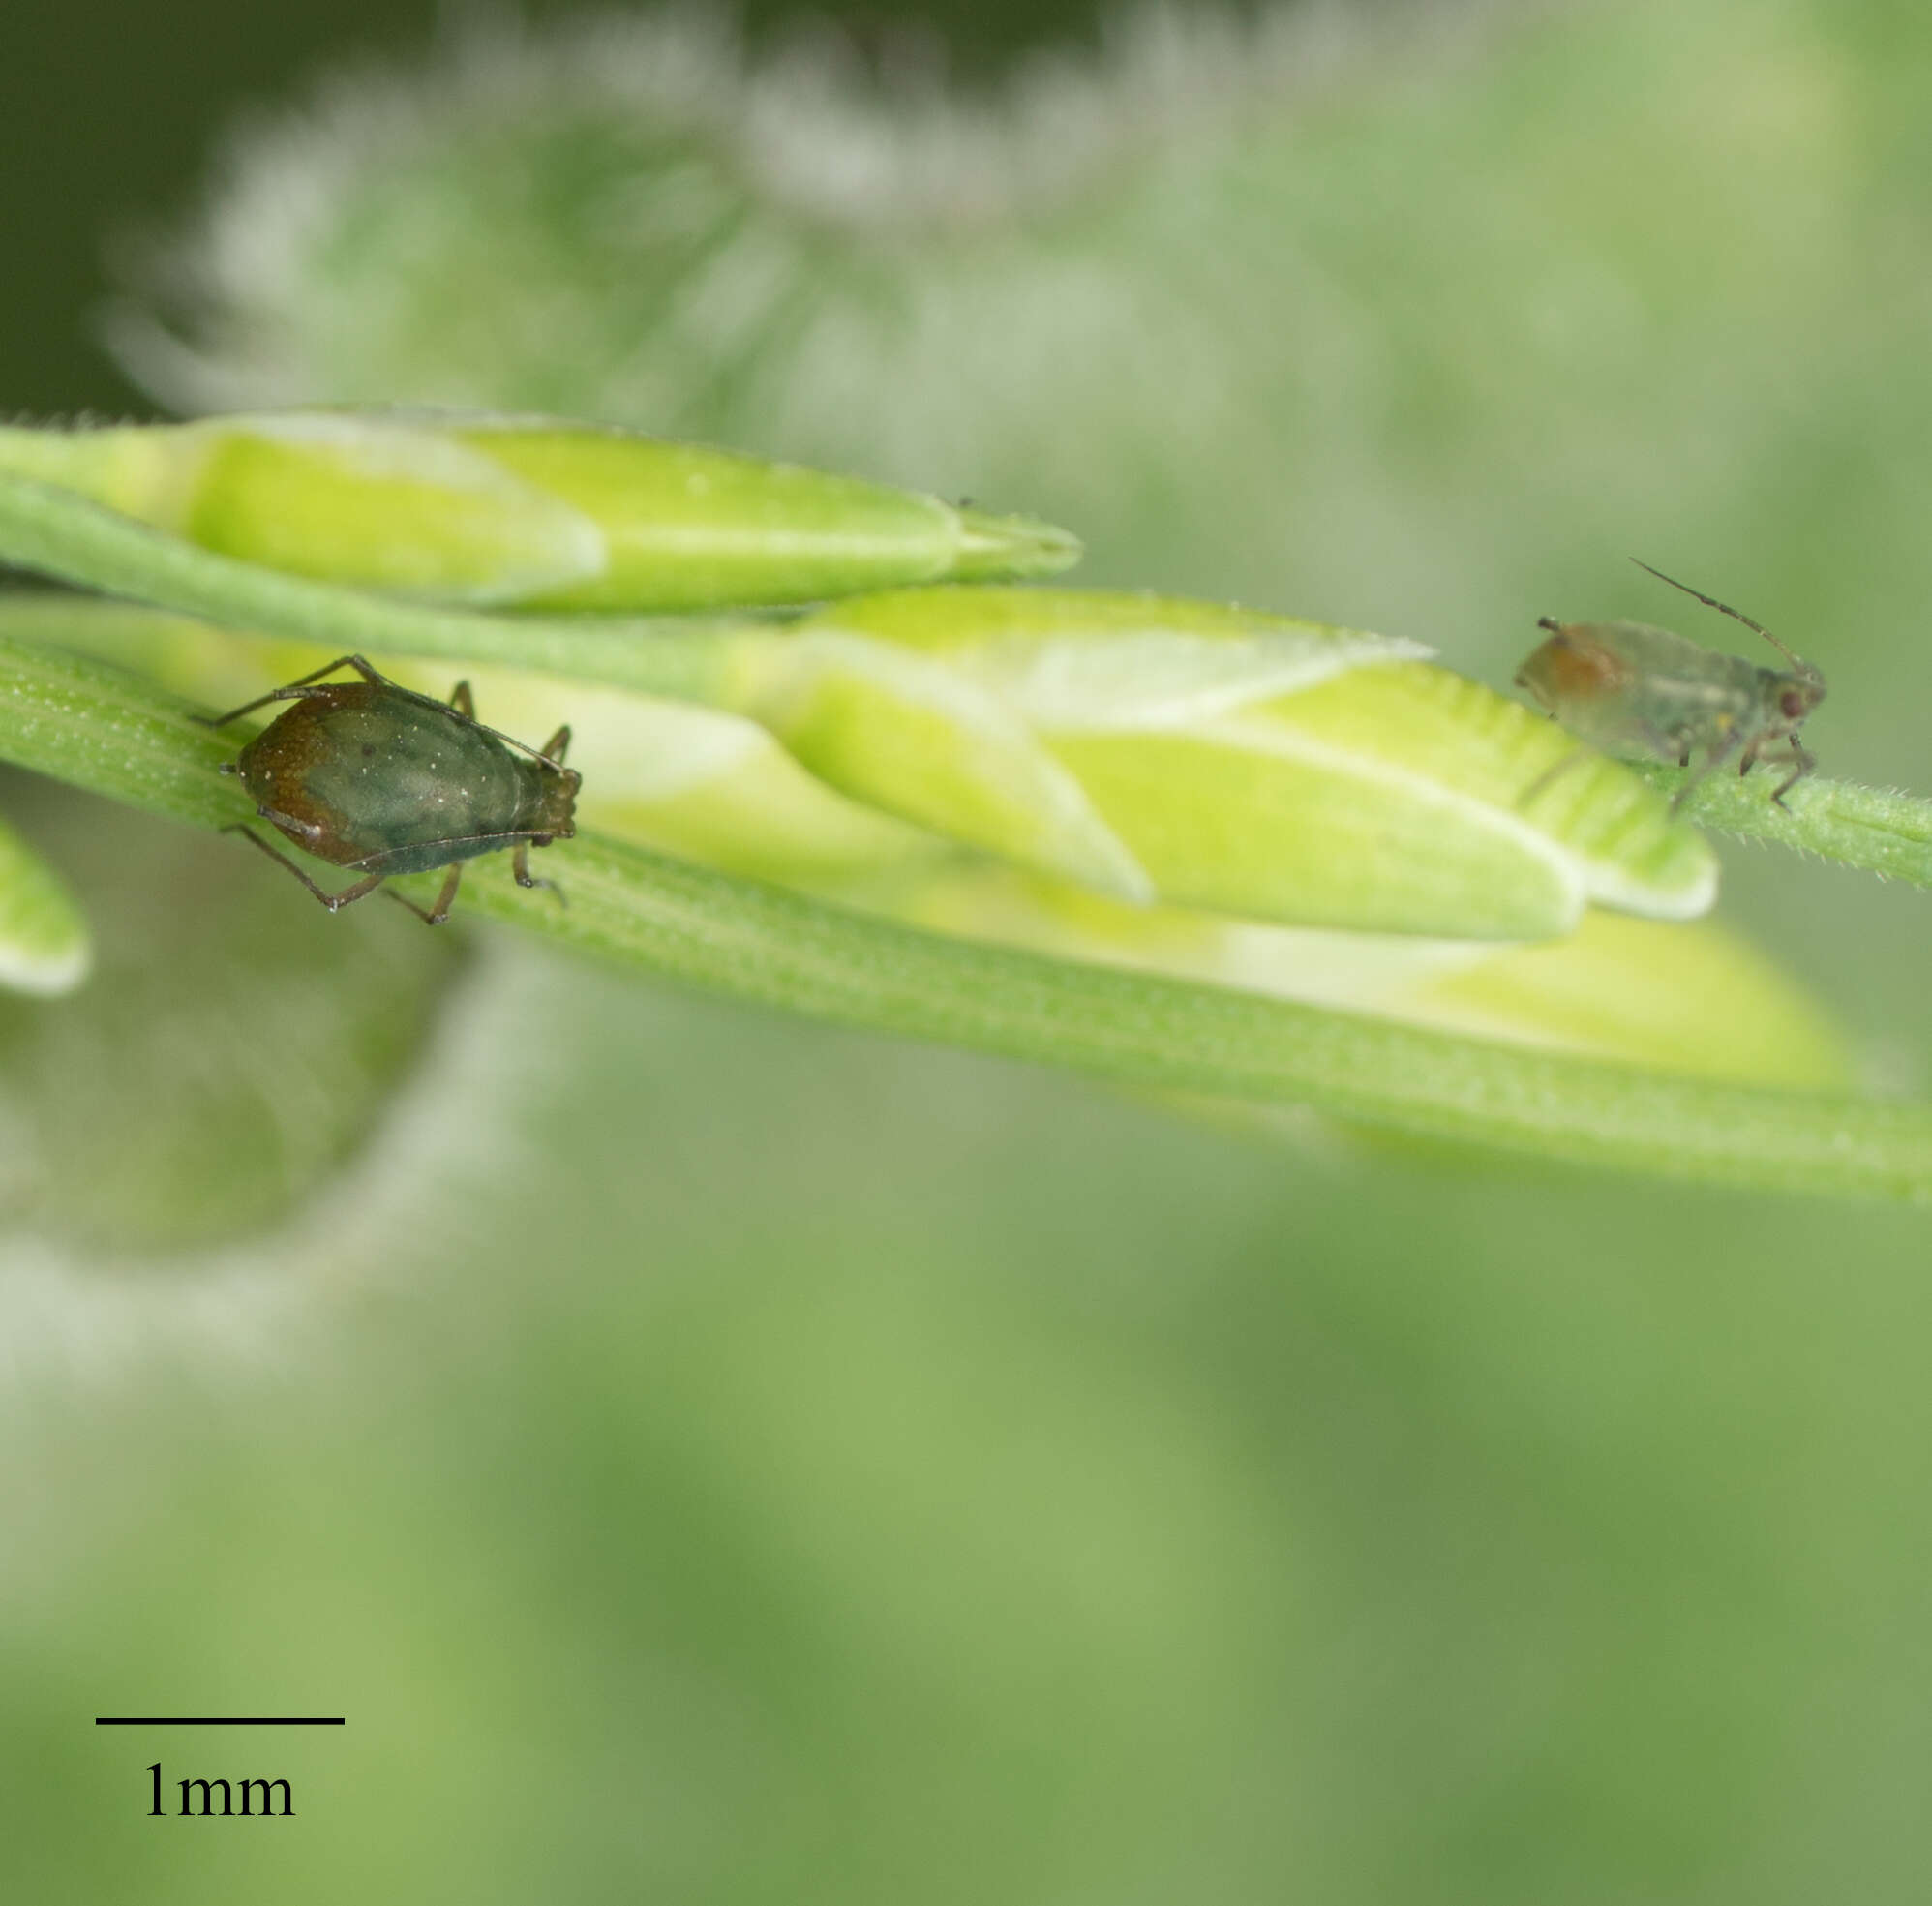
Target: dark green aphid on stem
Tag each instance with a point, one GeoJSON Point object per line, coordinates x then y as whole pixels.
{"type": "Point", "coordinates": [375, 777]}
{"type": "Point", "coordinates": [1633, 691]}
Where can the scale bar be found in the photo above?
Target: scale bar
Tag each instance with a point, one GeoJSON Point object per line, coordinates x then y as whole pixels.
{"type": "Point", "coordinates": [220, 1720]}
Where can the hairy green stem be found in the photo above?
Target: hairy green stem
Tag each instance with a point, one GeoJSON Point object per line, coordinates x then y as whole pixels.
{"type": "Point", "coordinates": [1875, 829]}
{"type": "Point", "coordinates": [101, 729]}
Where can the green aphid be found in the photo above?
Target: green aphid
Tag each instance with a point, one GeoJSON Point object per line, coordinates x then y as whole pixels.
{"type": "Point", "coordinates": [1634, 691]}
{"type": "Point", "coordinates": [375, 777]}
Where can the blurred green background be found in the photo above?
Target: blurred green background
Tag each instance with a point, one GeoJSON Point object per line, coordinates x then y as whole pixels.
{"type": "Point", "coordinates": [707, 1456]}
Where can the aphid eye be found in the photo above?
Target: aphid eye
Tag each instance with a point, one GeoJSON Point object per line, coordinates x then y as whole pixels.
{"type": "Point", "coordinates": [1792, 704]}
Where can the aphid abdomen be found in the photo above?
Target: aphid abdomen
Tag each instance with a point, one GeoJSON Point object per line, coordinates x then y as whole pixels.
{"type": "Point", "coordinates": [1585, 686]}
{"type": "Point", "coordinates": [364, 771]}
{"type": "Point", "coordinates": [1573, 667]}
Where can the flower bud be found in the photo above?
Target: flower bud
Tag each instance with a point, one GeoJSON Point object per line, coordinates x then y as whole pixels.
{"type": "Point", "coordinates": [1161, 750]}
{"type": "Point", "coordinates": [1694, 998]}
{"type": "Point", "coordinates": [527, 512]}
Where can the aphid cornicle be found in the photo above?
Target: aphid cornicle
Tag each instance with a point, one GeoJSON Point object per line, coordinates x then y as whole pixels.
{"type": "Point", "coordinates": [1633, 691]}
{"type": "Point", "coordinates": [375, 777]}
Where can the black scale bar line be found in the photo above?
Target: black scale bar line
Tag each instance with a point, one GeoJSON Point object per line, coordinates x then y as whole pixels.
{"type": "Point", "coordinates": [220, 1720]}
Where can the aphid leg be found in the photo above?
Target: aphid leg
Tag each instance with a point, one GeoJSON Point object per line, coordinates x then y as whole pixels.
{"type": "Point", "coordinates": [1549, 775]}
{"type": "Point", "coordinates": [290, 823]}
{"type": "Point", "coordinates": [293, 691]}
{"type": "Point", "coordinates": [1750, 756]}
{"type": "Point", "coordinates": [1713, 761]}
{"type": "Point", "coordinates": [435, 915]}
{"type": "Point", "coordinates": [553, 749]}
{"type": "Point", "coordinates": [462, 701]}
{"type": "Point", "coordinates": [447, 897]}
{"type": "Point", "coordinates": [334, 902]}
{"type": "Point", "coordinates": [520, 866]}
{"type": "Point", "coordinates": [1806, 762]}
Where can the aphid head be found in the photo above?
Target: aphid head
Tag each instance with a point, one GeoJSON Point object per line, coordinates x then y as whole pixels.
{"type": "Point", "coordinates": [1802, 691]}
{"type": "Point", "coordinates": [556, 811]}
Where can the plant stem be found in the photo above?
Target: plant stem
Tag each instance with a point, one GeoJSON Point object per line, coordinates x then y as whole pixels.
{"type": "Point", "coordinates": [1875, 829]}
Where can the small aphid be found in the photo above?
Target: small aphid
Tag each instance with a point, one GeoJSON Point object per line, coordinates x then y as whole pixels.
{"type": "Point", "coordinates": [1633, 691]}
{"type": "Point", "coordinates": [370, 775]}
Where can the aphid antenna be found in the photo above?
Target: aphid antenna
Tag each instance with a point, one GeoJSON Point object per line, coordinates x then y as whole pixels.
{"type": "Point", "coordinates": [535, 754]}
{"type": "Point", "coordinates": [1735, 614]}
{"type": "Point", "coordinates": [481, 727]}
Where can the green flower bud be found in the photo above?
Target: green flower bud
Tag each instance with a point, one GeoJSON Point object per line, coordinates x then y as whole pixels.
{"type": "Point", "coordinates": [526, 513]}
{"type": "Point", "coordinates": [1213, 758]}
{"type": "Point", "coordinates": [1684, 998]}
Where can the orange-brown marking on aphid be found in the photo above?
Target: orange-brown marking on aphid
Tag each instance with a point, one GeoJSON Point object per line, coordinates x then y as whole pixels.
{"type": "Point", "coordinates": [1578, 668]}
